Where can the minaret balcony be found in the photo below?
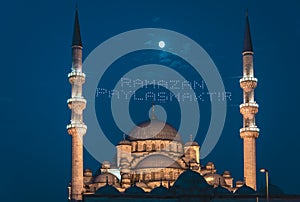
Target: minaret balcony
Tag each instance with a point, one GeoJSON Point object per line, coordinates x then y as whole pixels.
{"type": "Point", "coordinates": [76, 99]}
{"type": "Point", "coordinates": [248, 83]}
{"type": "Point", "coordinates": [76, 128]}
{"type": "Point", "coordinates": [76, 73]}
{"type": "Point", "coordinates": [248, 110]}
{"type": "Point", "coordinates": [251, 132]}
{"type": "Point", "coordinates": [76, 77]}
{"type": "Point", "coordinates": [76, 103]}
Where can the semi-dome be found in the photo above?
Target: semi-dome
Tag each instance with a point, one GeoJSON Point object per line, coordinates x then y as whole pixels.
{"type": "Point", "coordinates": [107, 189]}
{"type": "Point", "coordinates": [215, 179]}
{"type": "Point", "coordinates": [219, 190]}
{"type": "Point", "coordinates": [191, 182]}
{"type": "Point", "coordinates": [155, 130]}
{"type": "Point", "coordinates": [134, 190]}
{"type": "Point", "coordinates": [157, 161]}
{"type": "Point", "coordinates": [106, 178]}
{"type": "Point", "coordinates": [160, 190]}
{"type": "Point", "coordinates": [245, 190]}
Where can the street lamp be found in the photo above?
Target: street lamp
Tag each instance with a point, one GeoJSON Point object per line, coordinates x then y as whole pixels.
{"type": "Point", "coordinates": [263, 170]}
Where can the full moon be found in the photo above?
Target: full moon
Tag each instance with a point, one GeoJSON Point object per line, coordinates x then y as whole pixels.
{"type": "Point", "coordinates": [161, 44]}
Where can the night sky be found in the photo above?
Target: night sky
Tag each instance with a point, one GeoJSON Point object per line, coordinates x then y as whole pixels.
{"type": "Point", "coordinates": [36, 41]}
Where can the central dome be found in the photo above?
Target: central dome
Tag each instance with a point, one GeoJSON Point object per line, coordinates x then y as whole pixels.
{"type": "Point", "coordinates": [154, 130]}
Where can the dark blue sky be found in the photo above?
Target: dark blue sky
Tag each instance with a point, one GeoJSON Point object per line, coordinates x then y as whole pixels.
{"type": "Point", "coordinates": [36, 57]}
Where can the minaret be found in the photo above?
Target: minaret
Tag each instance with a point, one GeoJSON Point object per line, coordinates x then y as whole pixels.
{"type": "Point", "coordinates": [248, 109]}
{"type": "Point", "coordinates": [77, 103]}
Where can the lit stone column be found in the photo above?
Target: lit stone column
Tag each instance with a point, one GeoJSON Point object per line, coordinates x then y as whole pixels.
{"type": "Point", "coordinates": [77, 104]}
{"type": "Point", "coordinates": [248, 109]}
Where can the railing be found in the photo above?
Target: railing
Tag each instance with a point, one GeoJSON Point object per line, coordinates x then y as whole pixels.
{"type": "Point", "coordinates": [252, 128]}
{"type": "Point", "coordinates": [74, 73]}
{"type": "Point", "coordinates": [76, 125]}
{"type": "Point", "coordinates": [248, 79]}
{"type": "Point", "coordinates": [249, 104]}
{"type": "Point", "coordinates": [76, 99]}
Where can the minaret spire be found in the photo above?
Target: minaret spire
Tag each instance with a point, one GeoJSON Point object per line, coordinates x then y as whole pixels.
{"type": "Point", "coordinates": [247, 40]}
{"type": "Point", "coordinates": [76, 31]}
{"type": "Point", "coordinates": [248, 109]}
{"type": "Point", "coordinates": [77, 104]}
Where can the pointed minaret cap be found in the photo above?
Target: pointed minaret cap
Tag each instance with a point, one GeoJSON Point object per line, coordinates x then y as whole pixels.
{"type": "Point", "coordinates": [76, 32]}
{"type": "Point", "coordinates": [247, 40]}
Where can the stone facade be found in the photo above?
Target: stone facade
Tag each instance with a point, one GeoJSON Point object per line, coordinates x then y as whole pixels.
{"type": "Point", "coordinates": [149, 161]}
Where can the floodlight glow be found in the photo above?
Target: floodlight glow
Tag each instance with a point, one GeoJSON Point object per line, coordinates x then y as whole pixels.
{"type": "Point", "coordinates": [263, 170]}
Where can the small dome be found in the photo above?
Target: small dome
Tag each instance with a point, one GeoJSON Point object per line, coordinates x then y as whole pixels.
{"type": "Point", "coordinates": [191, 182]}
{"type": "Point", "coordinates": [214, 179]}
{"type": "Point", "coordinates": [103, 177]}
{"type": "Point", "coordinates": [161, 190]}
{"type": "Point", "coordinates": [239, 184]}
{"type": "Point", "coordinates": [191, 143]}
{"type": "Point", "coordinates": [87, 170]}
{"type": "Point", "coordinates": [88, 173]}
{"type": "Point", "coordinates": [124, 142]}
{"type": "Point", "coordinates": [219, 190]}
{"type": "Point", "coordinates": [124, 161]}
{"type": "Point", "coordinates": [155, 130]}
{"type": "Point", "coordinates": [134, 190]}
{"type": "Point", "coordinates": [226, 174]}
{"type": "Point", "coordinates": [125, 176]}
{"type": "Point", "coordinates": [210, 166]}
{"type": "Point", "coordinates": [107, 189]}
{"type": "Point", "coordinates": [106, 164]}
{"type": "Point", "coordinates": [245, 190]}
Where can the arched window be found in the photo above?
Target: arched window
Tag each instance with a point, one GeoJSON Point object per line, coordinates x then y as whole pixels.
{"type": "Point", "coordinates": [144, 176]}
{"type": "Point", "coordinates": [153, 176]}
{"type": "Point", "coordinates": [162, 174]}
{"type": "Point", "coordinates": [136, 147]}
{"type": "Point", "coordinates": [138, 177]}
{"type": "Point", "coordinates": [162, 147]}
{"type": "Point", "coordinates": [153, 147]}
{"type": "Point", "coordinates": [171, 175]}
{"type": "Point", "coordinates": [144, 147]}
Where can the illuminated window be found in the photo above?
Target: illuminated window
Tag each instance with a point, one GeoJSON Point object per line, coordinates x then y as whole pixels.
{"type": "Point", "coordinates": [153, 147]}
{"type": "Point", "coordinates": [162, 174]}
{"type": "Point", "coordinates": [171, 175]}
{"type": "Point", "coordinates": [152, 176]}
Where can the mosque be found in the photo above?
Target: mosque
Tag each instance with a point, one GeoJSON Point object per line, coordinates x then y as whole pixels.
{"type": "Point", "coordinates": [152, 162]}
